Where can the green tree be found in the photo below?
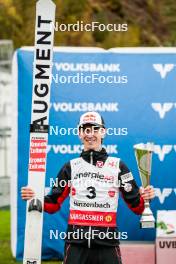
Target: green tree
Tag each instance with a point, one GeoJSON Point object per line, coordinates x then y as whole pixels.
{"type": "Point", "coordinates": [150, 22]}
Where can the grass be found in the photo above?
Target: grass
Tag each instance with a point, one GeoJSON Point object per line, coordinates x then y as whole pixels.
{"type": "Point", "coordinates": [5, 251]}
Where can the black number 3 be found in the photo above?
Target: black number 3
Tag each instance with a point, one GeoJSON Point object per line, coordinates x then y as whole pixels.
{"type": "Point", "coordinates": [92, 192]}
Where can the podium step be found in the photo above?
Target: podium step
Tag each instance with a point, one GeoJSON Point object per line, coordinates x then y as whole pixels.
{"type": "Point", "coordinates": [138, 252]}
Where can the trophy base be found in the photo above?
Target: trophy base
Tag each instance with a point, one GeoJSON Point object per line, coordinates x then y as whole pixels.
{"type": "Point", "coordinates": [147, 219]}
{"type": "Point", "coordinates": [147, 224]}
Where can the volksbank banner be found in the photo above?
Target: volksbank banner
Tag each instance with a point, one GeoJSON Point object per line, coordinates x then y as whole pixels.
{"type": "Point", "coordinates": [134, 90]}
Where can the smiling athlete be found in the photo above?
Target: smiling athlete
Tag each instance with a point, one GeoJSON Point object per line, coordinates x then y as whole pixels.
{"type": "Point", "coordinates": [93, 181]}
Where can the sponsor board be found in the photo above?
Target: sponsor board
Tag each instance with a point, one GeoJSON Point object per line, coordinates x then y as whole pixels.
{"type": "Point", "coordinates": [143, 103]}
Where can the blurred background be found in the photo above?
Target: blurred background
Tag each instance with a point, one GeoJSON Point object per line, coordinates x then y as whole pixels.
{"type": "Point", "coordinates": [150, 22]}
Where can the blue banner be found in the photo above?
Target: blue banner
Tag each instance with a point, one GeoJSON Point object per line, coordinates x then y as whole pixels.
{"type": "Point", "coordinates": [134, 90]}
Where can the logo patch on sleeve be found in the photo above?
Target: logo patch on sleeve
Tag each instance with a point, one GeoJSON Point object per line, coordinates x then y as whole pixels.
{"type": "Point", "coordinates": [127, 177]}
{"type": "Point", "coordinates": [128, 187]}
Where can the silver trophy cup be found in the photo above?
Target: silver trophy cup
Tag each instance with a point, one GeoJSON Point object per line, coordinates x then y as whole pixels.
{"type": "Point", "coordinates": [143, 153]}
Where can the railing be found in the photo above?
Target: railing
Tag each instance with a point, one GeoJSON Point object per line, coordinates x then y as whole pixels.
{"type": "Point", "coordinates": [6, 51]}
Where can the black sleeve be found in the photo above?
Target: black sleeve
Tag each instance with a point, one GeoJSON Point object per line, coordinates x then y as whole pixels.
{"type": "Point", "coordinates": [130, 190]}
{"type": "Point", "coordinates": [59, 191]}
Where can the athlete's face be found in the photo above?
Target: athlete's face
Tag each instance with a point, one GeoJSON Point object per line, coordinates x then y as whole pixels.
{"type": "Point", "coordinates": [91, 137]}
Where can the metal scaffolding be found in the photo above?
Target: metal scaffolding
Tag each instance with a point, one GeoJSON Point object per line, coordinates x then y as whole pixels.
{"type": "Point", "coordinates": [6, 51]}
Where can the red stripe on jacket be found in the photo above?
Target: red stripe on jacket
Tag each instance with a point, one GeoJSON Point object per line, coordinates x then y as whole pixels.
{"type": "Point", "coordinates": [54, 207]}
{"type": "Point", "coordinates": [138, 209]}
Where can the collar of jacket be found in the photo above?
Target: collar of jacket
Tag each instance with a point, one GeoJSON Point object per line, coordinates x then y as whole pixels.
{"type": "Point", "coordinates": [96, 155]}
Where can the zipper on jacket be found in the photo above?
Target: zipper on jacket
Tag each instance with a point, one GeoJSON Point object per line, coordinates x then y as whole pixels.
{"type": "Point", "coordinates": [91, 157]}
{"type": "Point", "coordinates": [89, 238]}
{"type": "Point", "coordinates": [107, 231]}
{"type": "Point", "coordinates": [90, 228]}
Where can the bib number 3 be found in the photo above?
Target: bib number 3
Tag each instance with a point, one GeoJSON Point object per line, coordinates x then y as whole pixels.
{"type": "Point", "coordinates": [92, 192]}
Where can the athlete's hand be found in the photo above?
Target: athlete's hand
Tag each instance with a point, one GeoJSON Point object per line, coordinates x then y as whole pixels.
{"type": "Point", "coordinates": [27, 193]}
{"type": "Point", "coordinates": [147, 193]}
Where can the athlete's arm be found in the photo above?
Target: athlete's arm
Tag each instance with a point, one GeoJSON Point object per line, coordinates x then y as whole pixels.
{"type": "Point", "coordinates": [129, 190]}
{"type": "Point", "coordinates": [53, 201]}
{"type": "Point", "coordinates": [60, 191]}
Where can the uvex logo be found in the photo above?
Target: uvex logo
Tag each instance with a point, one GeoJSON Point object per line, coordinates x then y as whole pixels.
{"type": "Point", "coordinates": [163, 194]}
{"type": "Point", "coordinates": [163, 69]}
{"type": "Point", "coordinates": [167, 244]}
{"type": "Point", "coordinates": [164, 150]}
{"type": "Point", "coordinates": [163, 108]}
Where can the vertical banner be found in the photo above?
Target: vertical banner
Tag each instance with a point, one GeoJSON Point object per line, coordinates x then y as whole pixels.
{"type": "Point", "coordinates": [39, 128]}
